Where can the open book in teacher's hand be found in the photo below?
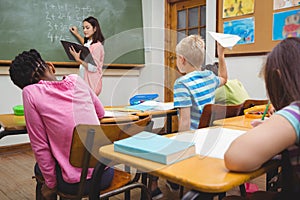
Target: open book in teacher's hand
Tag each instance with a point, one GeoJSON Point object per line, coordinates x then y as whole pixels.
{"type": "Point", "coordinates": [155, 147]}
{"type": "Point", "coordinates": [85, 52]}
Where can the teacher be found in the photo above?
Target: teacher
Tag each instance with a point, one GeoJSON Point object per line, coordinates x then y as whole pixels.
{"type": "Point", "coordinates": [94, 40]}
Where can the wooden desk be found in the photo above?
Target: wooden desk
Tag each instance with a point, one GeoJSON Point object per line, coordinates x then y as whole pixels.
{"type": "Point", "coordinates": [200, 173]}
{"type": "Point", "coordinates": [239, 121]}
{"type": "Point", "coordinates": [127, 118]}
{"type": "Point", "coordinates": [161, 113]}
{"type": "Point", "coordinates": [15, 125]}
{"type": "Point", "coordinates": [154, 113]}
{"type": "Point", "coordinates": [12, 125]}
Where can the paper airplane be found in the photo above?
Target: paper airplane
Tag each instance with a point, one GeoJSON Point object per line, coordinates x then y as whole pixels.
{"type": "Point", "coordinates": [226, 40]}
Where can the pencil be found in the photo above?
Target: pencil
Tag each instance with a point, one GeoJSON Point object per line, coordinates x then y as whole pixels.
{"type": "Point", "coordinates": [266, 110]}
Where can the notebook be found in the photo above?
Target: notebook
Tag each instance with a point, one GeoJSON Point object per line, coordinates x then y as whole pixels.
{"type": "Point", "coordinates": [155, 147]}
{"type": "Point", "coordinates": [85, 52]}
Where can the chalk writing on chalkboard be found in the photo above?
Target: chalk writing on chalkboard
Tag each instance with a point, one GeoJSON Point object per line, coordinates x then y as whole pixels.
{"type": "Point", "coordinates": [60, 16]}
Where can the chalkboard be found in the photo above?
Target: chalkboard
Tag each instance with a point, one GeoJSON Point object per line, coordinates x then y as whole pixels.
{"type": "Point", "coordinates": [27, 24]}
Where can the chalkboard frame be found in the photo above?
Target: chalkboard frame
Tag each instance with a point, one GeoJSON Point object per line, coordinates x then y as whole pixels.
{"type": "Point", "coordinates": [134, 59]}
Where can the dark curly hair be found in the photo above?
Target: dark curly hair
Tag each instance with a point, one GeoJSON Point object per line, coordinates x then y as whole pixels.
{"type": "Point", "coordinates": [27, 68]}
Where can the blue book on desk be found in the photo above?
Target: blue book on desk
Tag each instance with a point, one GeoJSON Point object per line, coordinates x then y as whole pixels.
{"type": "Point", "coordinates": [155, 147]}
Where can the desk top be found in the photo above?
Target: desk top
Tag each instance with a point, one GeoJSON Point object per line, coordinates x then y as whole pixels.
{"type": "Point", "coordinates": [157, 113]}
{"type": "Point", "coordinates": [239, 121]}
{"type": "Point", "coordinates": [11, 122]}
{"type": "Point", "coordinates": [201, 173]}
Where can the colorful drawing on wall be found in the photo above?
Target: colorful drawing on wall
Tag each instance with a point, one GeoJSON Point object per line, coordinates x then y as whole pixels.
{"type": "Point", "coordinates": [232, 8]}
{"type": "Point", "coordinates": [243, 28]}
{"type": "Point", "coordinates": [286, 24]}
{"type": "Point", "coordinates": [279, 4]}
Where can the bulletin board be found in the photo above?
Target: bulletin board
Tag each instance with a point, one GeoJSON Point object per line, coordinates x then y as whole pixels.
{"type": "Point", "coordinates": [253, 21]}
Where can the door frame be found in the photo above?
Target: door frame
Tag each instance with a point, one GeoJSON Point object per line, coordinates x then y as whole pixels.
{"type": "Point", "coordinates": [169, 52]}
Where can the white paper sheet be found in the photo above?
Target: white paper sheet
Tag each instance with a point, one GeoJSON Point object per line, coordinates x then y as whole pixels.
{"type": "Point", "coordinates": [115, 113]}
{"type": "Point", "coordinates": [153, 105]}
{"type": "Point", "coordinates": [226, 40]}
{"type": "Point", "coordinates": [212, 142]}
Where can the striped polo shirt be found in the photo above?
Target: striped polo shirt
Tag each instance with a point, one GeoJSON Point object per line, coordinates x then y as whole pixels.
{"type": "Point", "coordinates": [292, 114]}
{"type": "Point", "coordinates": [195, 90]}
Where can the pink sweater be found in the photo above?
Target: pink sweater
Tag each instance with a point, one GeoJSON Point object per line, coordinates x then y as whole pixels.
{"type": "Point", "coordinates": [94, 78]}
{"type": "Point", "coordinates": [52, 110]}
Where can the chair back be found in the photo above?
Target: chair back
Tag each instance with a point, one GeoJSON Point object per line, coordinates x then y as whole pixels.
{"type": "Point", "coordinates": [87, 139]}
{"type": "Point", "coordinates": [212, 112]}
{"type": "Point", "coordinates": [253, 102]}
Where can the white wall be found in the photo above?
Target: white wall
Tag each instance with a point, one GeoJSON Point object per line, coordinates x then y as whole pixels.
{"type": "Point", "coordinates": [244, 68]}
{"type": "Point", "coordinates": [117, 90]}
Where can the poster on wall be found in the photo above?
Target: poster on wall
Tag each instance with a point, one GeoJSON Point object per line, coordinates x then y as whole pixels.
{"type": "Point", "coordinates": [241, 27]}
{"type": "Point", "coordinates": [279, 4]}
{"type": "Point", "coordinates": [286, 24]}
{"type": "Point", "coordinates": [232, 8]}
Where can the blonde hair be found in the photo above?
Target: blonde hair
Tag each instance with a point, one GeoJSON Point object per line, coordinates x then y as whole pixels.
{"type": "Point", "coordinates": [192, 48]}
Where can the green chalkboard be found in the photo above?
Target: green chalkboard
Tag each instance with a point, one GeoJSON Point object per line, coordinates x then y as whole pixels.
{"type": "Point", "coordinates": [40, 24]}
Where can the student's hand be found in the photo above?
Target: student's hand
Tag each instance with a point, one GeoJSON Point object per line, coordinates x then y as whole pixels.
{"type": "Point", "coordinates": [48, 193]}
{"type": "Point", "coordinates": [258, 122]}
{"type": "Point", "coordinates": [220, 50]}
{"type": "Point", "coordinates": [271, 110]}
{"type": "Point", "coordinates": [75, 54]}
{"type": "Point", "coordinates": [74, 30]}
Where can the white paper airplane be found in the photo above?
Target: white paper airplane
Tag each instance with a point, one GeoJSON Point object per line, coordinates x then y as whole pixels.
{"type": "Point", "coordinates": [226, 40]}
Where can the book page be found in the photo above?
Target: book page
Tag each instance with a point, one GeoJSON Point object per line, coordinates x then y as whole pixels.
{"type": "Point", "coordinates": [211, 142]}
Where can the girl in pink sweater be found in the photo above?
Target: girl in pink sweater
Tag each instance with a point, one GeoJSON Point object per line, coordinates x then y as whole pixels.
{"type": "Point", "coordinates": [52, 109]}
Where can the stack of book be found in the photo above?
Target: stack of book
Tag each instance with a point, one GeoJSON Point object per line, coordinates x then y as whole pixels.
{"type": "Point", "coordinates": [155, 147]}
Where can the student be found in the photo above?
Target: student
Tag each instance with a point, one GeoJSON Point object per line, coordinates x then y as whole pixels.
{"type": "Point", "coordinates": [196, 88]}
{"type": "Point", "coordinates": [232, 93]}
{"type": "Point", "coordinates": [52, 109]}
{"type": "Point", "coordinates": [249, 151]}
{"type": "Point", "coordinates": [193, 90]}
{"type": "Point", "coordinates": [94, 40]}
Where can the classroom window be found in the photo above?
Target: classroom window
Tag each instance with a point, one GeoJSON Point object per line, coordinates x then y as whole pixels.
{"type": "Point", "coordinates": [181, 19]}
{"type": "Point", "coordinates": [193, 17]}
{"type": "Point", "coordinates": [191, 21]}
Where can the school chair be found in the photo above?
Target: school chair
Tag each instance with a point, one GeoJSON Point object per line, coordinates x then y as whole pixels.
{"type": "Point", "coordinates": [212, 112]}
{"type": "Point", "coordinates": [87, 139]}
{"type": "Point", "coordinates": [253, 102]}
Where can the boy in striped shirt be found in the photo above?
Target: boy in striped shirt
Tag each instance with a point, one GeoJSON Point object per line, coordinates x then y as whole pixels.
{"type": "Point", "coordinates": [196, 88]}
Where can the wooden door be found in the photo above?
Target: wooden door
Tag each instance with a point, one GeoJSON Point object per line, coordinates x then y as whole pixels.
{"type": "Point", "coordinates": [183, 18]}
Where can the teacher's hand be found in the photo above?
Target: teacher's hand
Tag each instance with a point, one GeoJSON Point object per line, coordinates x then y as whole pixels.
{"type": "Point", "coordinates": [74, 30]}
{"type": "Point", "coordinates": [75, 54]}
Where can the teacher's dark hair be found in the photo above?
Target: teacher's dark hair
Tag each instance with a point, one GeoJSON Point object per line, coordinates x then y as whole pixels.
{"type": "Point", "coordinates": [282, 73]}
{"type": "Point", "coordinates": [27, 68]}
{"type": "Point", "coordinates": [98, 36]}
